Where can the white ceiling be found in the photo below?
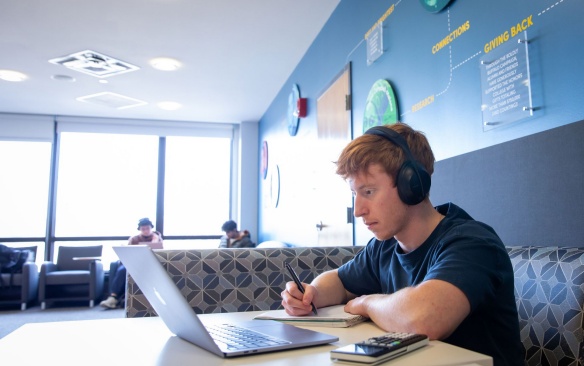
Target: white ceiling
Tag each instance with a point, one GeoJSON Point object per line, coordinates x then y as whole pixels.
{"type": "Point", "coordinates": [236, 54]}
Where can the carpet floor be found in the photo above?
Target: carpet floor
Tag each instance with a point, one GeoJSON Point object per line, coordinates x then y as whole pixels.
{"type": "Point", "coordinates": [12, 319]}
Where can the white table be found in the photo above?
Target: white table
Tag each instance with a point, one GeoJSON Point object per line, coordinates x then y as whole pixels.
{"type": "Point", "coordinates": [147, 341]}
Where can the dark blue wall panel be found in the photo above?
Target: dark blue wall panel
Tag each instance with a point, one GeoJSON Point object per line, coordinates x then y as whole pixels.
{"type": "Point", "coordinates": [453, 123]}
{"type": "Point", "coordinates": [529, 189]}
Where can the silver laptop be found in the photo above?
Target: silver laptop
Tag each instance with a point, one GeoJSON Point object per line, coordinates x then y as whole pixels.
{"type": "Point", "coordinates": [225, 340]}
{"type": "Point", "coordinates": [152, 245]}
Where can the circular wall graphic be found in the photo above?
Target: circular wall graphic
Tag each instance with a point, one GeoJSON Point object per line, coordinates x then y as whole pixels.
{"type": "Point", "coordinates": [275, 186]}
{"type": "Point", "coordinates": [293, 117]}
{"type": "Point", "coordinates": [434, 6]}
{"type": "Point", "coordinates": [264, 161]}
{"type": "Point", "coordinates": [380, 108]}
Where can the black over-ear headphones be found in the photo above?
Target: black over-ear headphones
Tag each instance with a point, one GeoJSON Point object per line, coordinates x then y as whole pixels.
{"type": "Point", "coordinates": [412, 180]}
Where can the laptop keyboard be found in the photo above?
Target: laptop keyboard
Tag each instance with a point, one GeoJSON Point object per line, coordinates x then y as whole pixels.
{"type": "Point", "coordinates": [236, 338]}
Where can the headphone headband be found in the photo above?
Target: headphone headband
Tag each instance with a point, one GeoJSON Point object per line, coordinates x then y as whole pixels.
{"type": "Point", "coordinates": [392, 136]}
{"type": "Point", "coordinates": [412, 180]}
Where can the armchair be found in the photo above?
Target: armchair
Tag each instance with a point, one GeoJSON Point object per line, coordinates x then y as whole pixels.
{"type": "Point", "coordinates": [21, 288]}
{"type": "Point", "coordinates": [77, 275]}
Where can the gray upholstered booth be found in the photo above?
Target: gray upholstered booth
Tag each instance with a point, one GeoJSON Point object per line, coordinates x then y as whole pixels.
{"type": "Point", "coordinates": [21, 288]}
{"type": "Point", "coordinates": [77, 275]}
{"type": "Point", "coordinates": [228, 280]}
{"type": "Point", "coordinates": [549, 289]}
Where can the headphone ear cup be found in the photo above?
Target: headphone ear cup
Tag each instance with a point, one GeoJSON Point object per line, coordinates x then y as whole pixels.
{"type": "Point", "coordinates": [412, 187]}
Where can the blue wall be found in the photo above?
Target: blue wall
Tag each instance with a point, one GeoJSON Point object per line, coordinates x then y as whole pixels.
{"type": "Point", "coordinates": [453, 122]}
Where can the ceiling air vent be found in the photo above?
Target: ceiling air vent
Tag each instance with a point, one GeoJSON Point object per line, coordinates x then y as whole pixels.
{"type": "Point", "coordinates": [95, 64]}
{"type": "Point", "coordinates": [112, 100]}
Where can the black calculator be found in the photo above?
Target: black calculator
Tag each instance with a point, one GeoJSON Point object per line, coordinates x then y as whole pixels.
{"type": "Point", "coordinates": [379, 349]}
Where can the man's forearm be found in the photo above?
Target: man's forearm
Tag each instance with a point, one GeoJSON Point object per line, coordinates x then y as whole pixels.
{"type": "Point", "coordinates": [330, 290]}
{"type": "Point", "coordinates": [434, 308]}
{"type": "Point", "coordinates": [393, 312]}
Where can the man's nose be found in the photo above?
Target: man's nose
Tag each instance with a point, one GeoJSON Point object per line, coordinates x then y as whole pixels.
{"type": "Point", "coordinates": [359, 209]}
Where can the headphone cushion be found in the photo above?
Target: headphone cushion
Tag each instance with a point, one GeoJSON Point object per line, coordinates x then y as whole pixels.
{"type": "Point", "coordinates": [412, 187]}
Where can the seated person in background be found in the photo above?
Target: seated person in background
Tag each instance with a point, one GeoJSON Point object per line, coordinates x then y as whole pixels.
{"type": "Point", "coordinates": [118, 279]}
{"type": "Point", "coordinates": [146, 234]}
{"type": "Point", "coordinates": [429, 270]}
{"type": "Point", "coordinates": [234, 238]}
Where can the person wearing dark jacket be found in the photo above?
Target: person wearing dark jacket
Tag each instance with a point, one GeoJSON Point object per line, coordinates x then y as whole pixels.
{"type": "Point", "coordinates": [234, 238]}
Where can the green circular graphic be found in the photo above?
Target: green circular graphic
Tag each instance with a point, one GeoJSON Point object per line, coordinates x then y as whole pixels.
{"type": "Point", "coordinates": [434, 6]}
{"type": "Point", "coordinates": [381, 108]}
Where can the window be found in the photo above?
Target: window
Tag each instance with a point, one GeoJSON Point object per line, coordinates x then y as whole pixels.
{"type": "Point", "coordinates": [24, 192]}
{"type": "Point", "coordinates": [106, 183]}
{"type": "Point", "coordinates": [24, 188]}
{"type": "Point", "coordinates": [197, 185]}
{"type": "Point", "coordinates": [107, 179]}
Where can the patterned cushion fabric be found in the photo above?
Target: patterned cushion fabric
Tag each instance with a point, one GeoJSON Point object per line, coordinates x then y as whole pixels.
{"type": "Point", "coordinates": [220, 280]}
{"type": "Point", "coordinates": [549, 290]}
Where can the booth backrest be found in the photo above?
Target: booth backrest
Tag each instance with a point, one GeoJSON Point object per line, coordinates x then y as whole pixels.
{"type": "Point", "coordinates": [549, 288]}
{"type": "Point", "coordinates": [229, 280]}
{"type": "Point", "coordinates": [549, 292]}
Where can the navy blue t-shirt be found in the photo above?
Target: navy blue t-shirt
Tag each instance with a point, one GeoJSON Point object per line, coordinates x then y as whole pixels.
{"type": "Point", "coordinates": [461, 251]}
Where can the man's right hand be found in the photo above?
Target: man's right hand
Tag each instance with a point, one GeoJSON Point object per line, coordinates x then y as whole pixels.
{"type": "Point", "coordinates": [295, 302]}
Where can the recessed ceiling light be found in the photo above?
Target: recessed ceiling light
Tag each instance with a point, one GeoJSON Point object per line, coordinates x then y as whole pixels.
{"type": "Point", "coordinates": [59, 77]}
{"type": "Point", "coordinates": [165, 64]}
{"type": "Point", "coordinates": [103, 81]}
{"type": "Point", "coordinates": [11, 75]}
{"type": "Point", "coordinates": [169, 106]}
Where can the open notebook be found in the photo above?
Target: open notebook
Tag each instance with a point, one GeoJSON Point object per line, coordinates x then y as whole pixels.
{"type": "Point", "coordinates": [331, 316]}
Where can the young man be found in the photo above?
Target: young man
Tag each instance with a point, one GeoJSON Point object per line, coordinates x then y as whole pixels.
{"type": "Point", "coordinates": [433, 271]}
{"type": "Point", "coordinates": [118, 279]}
{"type": "Point", "coordinates": [234, 238]}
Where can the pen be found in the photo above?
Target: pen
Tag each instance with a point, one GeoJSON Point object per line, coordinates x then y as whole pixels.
{"type": "Point", "coordinates": [299, 284]}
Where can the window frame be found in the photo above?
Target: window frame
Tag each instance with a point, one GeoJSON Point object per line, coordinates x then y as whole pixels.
{"type": "Point", "coordinates": [105, 125]}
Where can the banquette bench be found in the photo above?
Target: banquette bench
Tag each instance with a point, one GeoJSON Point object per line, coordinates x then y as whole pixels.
{"type": "Point", "coordinates": [228, 280]}
{"type": "Point", "coordinates": [549, 288]}
{"type": "Point", "coordinates": [549, 292]}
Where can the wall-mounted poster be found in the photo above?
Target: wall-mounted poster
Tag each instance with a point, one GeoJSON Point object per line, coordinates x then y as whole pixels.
{"type": "Point", "coordinates": [381, 107]}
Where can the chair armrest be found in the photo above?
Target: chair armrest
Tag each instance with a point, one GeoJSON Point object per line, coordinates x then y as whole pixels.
{"type": "Point", "coordinates": [97, 279]}
{"type": "Point", "coordinates": [48, 267]}
{"type": "Point", "coordinates": [97, 266]}
{"type": "Point", "coordinates": [30, 281]}
{"type": "Point", "coordinates": [29, 268]}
